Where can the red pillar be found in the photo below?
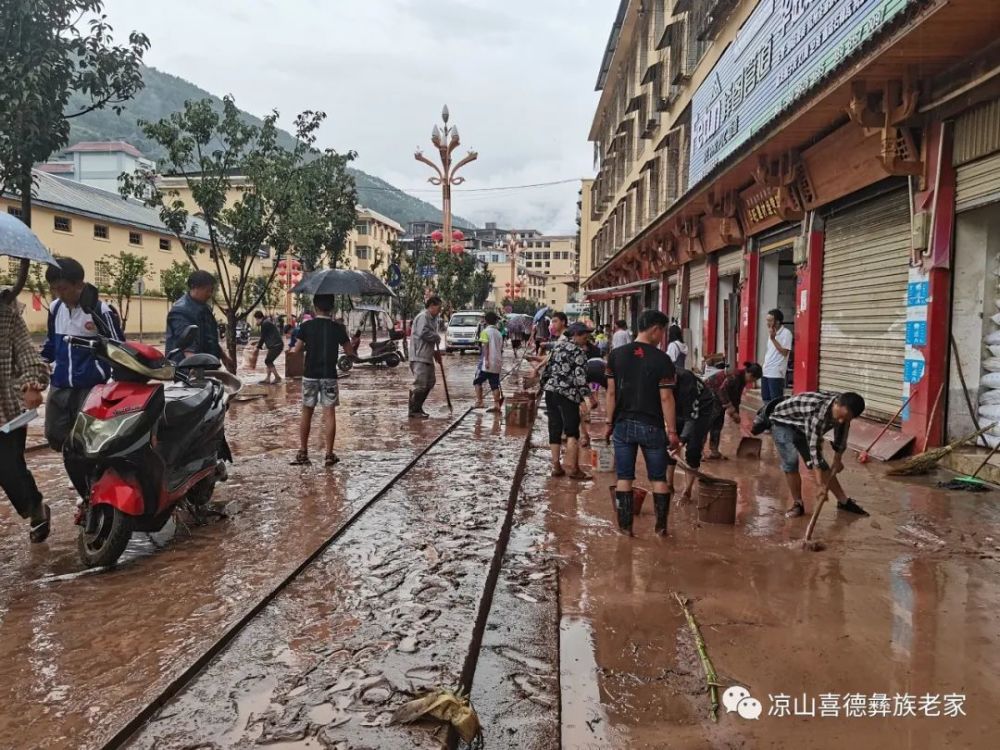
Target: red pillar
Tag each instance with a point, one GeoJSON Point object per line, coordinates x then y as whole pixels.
{"type": "Point", "coordinates": [808, 305]}
{"type": "Point", "coordinates": [936, 275]}
{"type": "Point", "coordinates": [664, 304]}
{"type": "Point", "coordinates": [749, 302]}
{"type": "Point", "coordinates": [711, 306]}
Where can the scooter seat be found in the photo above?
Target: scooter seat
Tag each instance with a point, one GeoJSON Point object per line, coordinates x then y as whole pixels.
{"type": "Point", "coordinates": [206, 361]}
{"type": "Point", "coordinates": [185, 405]}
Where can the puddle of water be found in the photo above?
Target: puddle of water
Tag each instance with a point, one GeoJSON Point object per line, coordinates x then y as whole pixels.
{"type": "Point", "coordinates": [584, 721]}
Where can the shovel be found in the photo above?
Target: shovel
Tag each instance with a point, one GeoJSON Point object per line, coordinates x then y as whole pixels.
{"type": "Point", "coordinates": [749, 447]}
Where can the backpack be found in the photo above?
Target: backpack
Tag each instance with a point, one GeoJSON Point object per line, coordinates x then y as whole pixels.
{"type": "Point", "coordinates": [762, 419]}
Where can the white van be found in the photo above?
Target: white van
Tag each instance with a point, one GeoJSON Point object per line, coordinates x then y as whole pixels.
{"type": "Point", "coordinates": [462, 329]}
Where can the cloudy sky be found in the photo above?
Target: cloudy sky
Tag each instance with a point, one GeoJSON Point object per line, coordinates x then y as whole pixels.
{"type": "Point", "coordinates": [517, 75]}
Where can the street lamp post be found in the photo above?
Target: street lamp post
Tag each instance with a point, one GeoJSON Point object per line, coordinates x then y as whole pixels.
{"type": "Point", "coordinates": [446, 140]}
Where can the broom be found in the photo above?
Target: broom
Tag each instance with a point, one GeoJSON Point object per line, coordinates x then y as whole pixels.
{"type": "Point", "coordinates": [928, 460]}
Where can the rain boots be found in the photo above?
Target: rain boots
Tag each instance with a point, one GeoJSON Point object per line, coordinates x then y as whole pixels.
{"type": "Point", "coordinates": [624, 506]}
{"type": "Point", "coordinates": [416, 405]}
{"type": "Point", "coordinates": [661, 503]}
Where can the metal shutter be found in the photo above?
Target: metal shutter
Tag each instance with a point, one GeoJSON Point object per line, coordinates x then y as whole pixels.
{"type": "Point", "coordinates": [697, 279]}
{"type": "Point", "coordinates": [730, 262]}
{"type": "Point", "coordinates": [865, 275]}
{"type": "Point", "coordinates": [978, 183]}
{"type": "Point", "coordinates": [977, 133]}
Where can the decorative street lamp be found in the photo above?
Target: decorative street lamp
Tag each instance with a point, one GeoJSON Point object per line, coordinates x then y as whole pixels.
{"type": "Point", "coordinates": [446, 140]}
{"type": "Point", "coordinates": [514, 286]}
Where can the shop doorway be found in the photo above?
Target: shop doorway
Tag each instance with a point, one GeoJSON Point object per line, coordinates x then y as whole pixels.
{"type": "Point", "coordinates": [727, 324]}
{"type": "Point", "coordinates": [695, 331]}
{"type": "Point", "coordinates": [777, 290]}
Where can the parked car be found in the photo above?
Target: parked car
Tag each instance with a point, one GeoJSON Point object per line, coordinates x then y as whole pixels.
{"type": "Point", "coordinates": [463, 331]}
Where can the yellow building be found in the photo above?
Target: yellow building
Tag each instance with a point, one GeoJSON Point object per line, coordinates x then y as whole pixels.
{"type": "Point", "coordinates": [555, 258]}
{"type": "Point", "coordinates": [87, 223]}
{"type": "Point", "coordinates": [588, 230]}
{"type": "Point", "coordinates": [371, 240]}
{"type": "Point", "coordinates": [533, 283]}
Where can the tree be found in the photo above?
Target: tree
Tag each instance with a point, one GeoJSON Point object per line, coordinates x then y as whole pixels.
{"type": "Point", "coordinates": [50, 49]}
{"type": "Point", "coordinates": [481, 285]}
{"type": "Point", "coordinates": [324, 211]}
{"type": "Point", "coordinates": [173, 280]}
{"type": "Point", "coordinates": [247, 189]}
{"type": "Point", "coordinates": [124, 271]}
{"type": "Point", "coordinates": [520, 305]}
{"type": "Point", "coordinates": [454, 278]}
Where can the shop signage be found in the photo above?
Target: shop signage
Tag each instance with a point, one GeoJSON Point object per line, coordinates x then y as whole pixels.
{"type": "Point", "coordinates": [760, 208]}
{"type": "Point", "coordinates": [784, 50]}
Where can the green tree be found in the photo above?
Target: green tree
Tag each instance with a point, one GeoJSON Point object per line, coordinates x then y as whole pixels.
{"type": "Point", "coordinates": [454, 279]}
{"type": "Point", "coordinates": [520, 305]}
{"type": "Point", "coordinates": [125, 270]}
{"type": "Point", "coordinates": [50, 49]}
{"type": "Point", "coordinates": [173, 280]}
{"type": "Point", "coordinates": [324, 211]}
{"type": "Point", "coordinates": [481, 286]}
{"type": "Point", "coordinates": [246, 188]}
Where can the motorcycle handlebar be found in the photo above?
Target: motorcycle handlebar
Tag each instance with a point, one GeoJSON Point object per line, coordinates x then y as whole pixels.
{"type": "Point", "coordinates": [90, 343]}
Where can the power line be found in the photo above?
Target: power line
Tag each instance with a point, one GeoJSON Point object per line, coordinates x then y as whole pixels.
{"type": "Point", "coordinates": [474, 190]}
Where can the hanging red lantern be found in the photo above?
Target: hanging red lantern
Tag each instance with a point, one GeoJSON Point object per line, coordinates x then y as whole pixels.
{"type": "Point", "coordinates": [458, 235]}
{"type": "Point", "coordinates": [458, 249]}
{"type": "Point", "coordinates": [437, 235]}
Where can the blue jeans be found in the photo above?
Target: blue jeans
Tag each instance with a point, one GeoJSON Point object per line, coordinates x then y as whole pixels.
{"type": "Point", "coordinates": [791, 444]}
{"type": "Point", "coordinates": [631, 435]}
{"type": "Point", "coordinates": [771, 388]}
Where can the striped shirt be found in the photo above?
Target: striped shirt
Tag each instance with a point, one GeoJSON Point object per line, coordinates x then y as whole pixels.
{"type": "Point", "coordinates": [811, 413]}
{"type": "Point", "coordinates": [20, 365]}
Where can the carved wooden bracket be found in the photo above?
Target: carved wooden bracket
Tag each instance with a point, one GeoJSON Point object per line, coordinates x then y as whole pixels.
{"type": "Point", "coordinates": [786, 175]}
{"type": "Point", "coordinates": [886, 111]}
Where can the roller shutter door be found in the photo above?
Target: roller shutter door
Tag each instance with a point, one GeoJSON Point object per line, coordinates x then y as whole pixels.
{"type": "Point", "coordinates": [865, 275]}
{"type": "Point", "coordinates": [730, 262]}
{"type": "Point", "coordinates": [697, 279]}
{"type": "Point", "coordinates": [978, 183]}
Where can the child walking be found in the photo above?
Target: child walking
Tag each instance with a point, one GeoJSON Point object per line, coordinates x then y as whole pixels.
{"type": "Point", "coordinates": [321, 338]}
{"type": "Point", "coordinates": [490, 362]}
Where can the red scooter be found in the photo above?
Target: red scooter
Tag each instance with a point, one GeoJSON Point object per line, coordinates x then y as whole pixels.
{"type": "Point", "coordinates": [138, 450]}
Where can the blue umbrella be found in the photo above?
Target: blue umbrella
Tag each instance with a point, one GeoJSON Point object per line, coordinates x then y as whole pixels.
{"type": "Point", "coordinates": [18, 241]}
{"type": "Point", "coordinates": [541, 314]}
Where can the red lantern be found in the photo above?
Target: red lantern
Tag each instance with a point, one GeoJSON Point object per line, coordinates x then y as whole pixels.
{"type": "Point", "coordinates": [437, 235]}
{"type": "Point", "coordinates": [458, 235]}
{"type": "Point", "coordinates": [458, 249]}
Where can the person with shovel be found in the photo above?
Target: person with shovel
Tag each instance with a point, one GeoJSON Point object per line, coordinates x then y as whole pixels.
{"type": "Point", "coordinates": [423, 353]}
{"type": "Point", "coordinates": [727, 390]}
{"type": "Point", "coordinates": [798, 425]}
{"type": "Point", "coordinates": [642, 415]}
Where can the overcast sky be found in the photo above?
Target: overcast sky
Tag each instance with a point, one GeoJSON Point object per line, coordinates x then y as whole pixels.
{"type": "Point", "coordinates": [518, 76]}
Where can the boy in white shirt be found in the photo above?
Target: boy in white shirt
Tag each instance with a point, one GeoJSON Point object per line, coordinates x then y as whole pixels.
{"type": "Point", "coordinates": [779, 346]}
{"type": "Point", "coordinates": [490, 362]}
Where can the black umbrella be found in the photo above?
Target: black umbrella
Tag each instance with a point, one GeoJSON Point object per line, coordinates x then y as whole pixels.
{"type": "Point", "coordinates": [342, 281]}
{"type": "Point", "coordinates": [18, 241]}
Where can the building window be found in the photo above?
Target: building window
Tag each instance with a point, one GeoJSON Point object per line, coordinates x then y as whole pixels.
{"type": "Point", "coordinates": [15, 212]}
{"type": "Point", "coordinates": [363, 253]}
{"type": "Point", "coordinates": [165, 245]}
{"type": "Point", "coordinates": [63, 224]}
{"type": "Point", "coordinates": [102, 273]}
{"type": "Point", "coordinates": [101, 231]}
{"type": "Point", "coordinates": [548, 244]}
{"type": "Point", "coordinates": [135, 238]}
{"type": "Point", "coordinates": [362, 228]}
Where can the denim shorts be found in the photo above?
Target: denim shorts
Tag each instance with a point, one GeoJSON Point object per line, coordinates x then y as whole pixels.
{"type": "Point", "coordinates": [791, 444]}
{"type": "Point", "coordinates": [324, 392]}
{"type": "Point", "coordinates": [631, 435]}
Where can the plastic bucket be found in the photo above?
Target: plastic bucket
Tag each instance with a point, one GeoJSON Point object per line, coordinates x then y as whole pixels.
{"type": "Point", "coordinates": [716, 501]}
{"type": "Point", "coordinates": [518, 412]}
{"type": "Point", "coordinates": [638, 498]}
{"type": "Point", "coordinates": [602, 456]}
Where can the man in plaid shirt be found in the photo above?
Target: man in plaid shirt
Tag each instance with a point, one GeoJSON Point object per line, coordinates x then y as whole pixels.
{"type": "Point", "coordinates": [798, 425]}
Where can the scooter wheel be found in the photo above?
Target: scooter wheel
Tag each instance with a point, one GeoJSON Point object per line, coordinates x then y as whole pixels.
{"type": "Point", "coordinates": [104, 544]}
{"type": "Point", "coordinates": [345, 363]}
{"type": "Point", "coordinates": [392, 360]}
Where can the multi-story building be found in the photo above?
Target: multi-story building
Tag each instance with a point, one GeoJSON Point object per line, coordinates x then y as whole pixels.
{"type": "Point", "coordinates": [836, 159]}
{"type": "Point", "coordinates": [371, 240]}
{"type": "Point", "coordinates": [98, 163]}
{"type": "Point", "coordinates": [90, 224]}
{"type": "Point", "coordinates": [555, 258]}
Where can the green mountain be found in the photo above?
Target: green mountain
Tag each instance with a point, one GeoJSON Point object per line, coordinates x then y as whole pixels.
{"type": "Point", "coordinates": [165, 93]}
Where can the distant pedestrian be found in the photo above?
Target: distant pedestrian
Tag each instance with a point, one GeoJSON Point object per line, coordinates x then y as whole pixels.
{"type": "Point", "coordinates": [642, 415]}
{"type": "Point", "coordinates": [321, 338]}
{"type": "Point", "coordinates": [23, 377]}
{"type": "Point", "coordinates": [779, 346]}
{"type": "Point", "coordinates": [798, 425]}
{"type": "Point", "coordinates": [694, 404]}
{"type": "Point", "coordinates": [542, 334]}
{"type": "Point", "coordinates": [192, 310]}
{"type": "Point", "coordinates": [566, 388]}
{"type": "Point", "coordinates": [601, 340]}
{"type": "Point", "coordinates": [423, 355]}
{"type": "Point", "coordinates": [621, 336]}
{"type": "Point", "coordinates": [272, 340]}
{"type": "Point", "coordinates": [676, 348]}
{"type": "Point", "coordinates": [490, 362]}
{"type": "Point", "coordinates": [727, 391]}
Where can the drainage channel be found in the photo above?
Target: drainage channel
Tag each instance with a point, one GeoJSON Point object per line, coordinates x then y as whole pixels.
{"type": "Point", "coordinates": [378, 612]}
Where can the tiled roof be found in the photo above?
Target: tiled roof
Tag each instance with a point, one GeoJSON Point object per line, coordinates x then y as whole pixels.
{"type": "Point", "coordinates": [77, 198]}
{"type": "Point", "coordinates": [57, 167]}
{"type": "Point", "coordinates": [107, 147]}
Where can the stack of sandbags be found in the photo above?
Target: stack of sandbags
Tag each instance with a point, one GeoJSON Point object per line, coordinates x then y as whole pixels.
{"type": "Point", "coordinates": [989, 386]}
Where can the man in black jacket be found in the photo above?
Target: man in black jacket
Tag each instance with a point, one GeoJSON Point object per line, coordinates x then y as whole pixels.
{"type": "Point", "coordinates": [274, 342]}
{"type": "Point", "coordinates": [192, 310]}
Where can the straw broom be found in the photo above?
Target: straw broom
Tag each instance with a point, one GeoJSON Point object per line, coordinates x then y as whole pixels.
{"type": "Point", "coordinates": [928, 460]}
{"type": "Point", "coordinates": [710, 677]}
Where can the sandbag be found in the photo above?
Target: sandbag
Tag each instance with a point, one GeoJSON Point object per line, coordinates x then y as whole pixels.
{"type": "Point", "coordinates": [994, 350]}
{"type": "Point", "coordinates": [993, 338]}
{"type": "Point", "coordinates": [990, 411]}
{"type": "Point", "coordinates": [990, 380]}
{"type": "Point", "coordinates": [991, 364]}
{"type": "Point", "coordinates": [996, 318]}
{"type": "Point", "coordinates": [990, 396]}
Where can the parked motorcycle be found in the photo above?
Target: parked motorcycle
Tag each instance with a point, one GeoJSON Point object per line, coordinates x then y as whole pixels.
{"type": "Point", "coordinates": [382, 352]}
{"type": "Point", "coordinates": [138, 449]}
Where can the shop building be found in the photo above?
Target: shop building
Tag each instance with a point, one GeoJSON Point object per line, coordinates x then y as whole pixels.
{"type": "Point", "coordinates": [835, 159]}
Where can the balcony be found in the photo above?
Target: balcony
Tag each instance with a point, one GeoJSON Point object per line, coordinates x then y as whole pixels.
{"type": "Point", "coordinates": [712, 16]}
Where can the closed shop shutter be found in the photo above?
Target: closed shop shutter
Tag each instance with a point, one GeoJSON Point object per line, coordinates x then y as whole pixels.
{"type": "Point", "coordinates": [698, 279]}
{"type": "Point", "coordinates": [978, 183]}
{"type": "Point", "coordinates": [730, 262]}
{"type": "Point", "coordinates": [977, 133]}
{"type": "Point", "coordinates": [865, 275]}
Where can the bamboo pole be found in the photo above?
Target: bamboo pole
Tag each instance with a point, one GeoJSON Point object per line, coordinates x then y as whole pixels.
{"type": "Point", "coordinates": [711, 678]}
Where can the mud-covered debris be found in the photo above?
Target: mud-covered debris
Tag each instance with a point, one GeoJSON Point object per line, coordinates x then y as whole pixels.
{"type": "Point", "coordinates": [444, 705]}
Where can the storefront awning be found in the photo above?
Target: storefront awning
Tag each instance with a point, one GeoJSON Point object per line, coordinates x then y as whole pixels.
{"type": "Point", "coordinates": [614, 292]}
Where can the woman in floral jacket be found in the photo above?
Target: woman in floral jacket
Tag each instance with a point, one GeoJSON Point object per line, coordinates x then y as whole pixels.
{"type": "Point", "coordinates": [565, 389]}
{"type": "Point", "coordinates": [23, 377]}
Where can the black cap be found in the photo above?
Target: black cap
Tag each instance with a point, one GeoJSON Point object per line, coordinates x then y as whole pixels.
{"type": "Point", "coordinates": [578, 329]}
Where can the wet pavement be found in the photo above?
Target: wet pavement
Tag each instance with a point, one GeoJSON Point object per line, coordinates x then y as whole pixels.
{"type": "Point", "coordinates": [903, 603]}
{"type": "Point", "coordinates": [81, 652]}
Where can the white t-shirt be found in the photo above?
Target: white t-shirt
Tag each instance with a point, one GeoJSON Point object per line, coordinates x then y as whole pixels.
{"type": "Point", "coordinates": [492, 348]}
{"type": "Point", "coordinates": [621, 338]}
{"type": "Point", "coordinates": [776, 363]}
